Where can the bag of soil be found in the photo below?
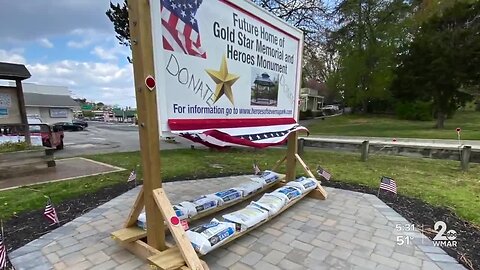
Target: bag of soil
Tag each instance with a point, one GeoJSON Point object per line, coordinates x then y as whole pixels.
{"type": "Point", "coordinates": [229, 195]}
{"type": "Point", "coordinates": [207, 237]}
{"type": "Point", "coordinates": [249, 188]}
{"type": "Point", "coordinates": [142, 221]}
{"type": "Point", "coordinates": [200, 204]}
{"type": "Point", "coordinates": [288, 193]}
{"type": "Point", "coordinates": [247, 217]}
{"type": "Point", "coordinates": [181, 213]}
{"type": "Point", "coordinates": [267, 178]}
{"type": "Point", "coordinates": [270, 202]}
{"type": "Point", "coordinates": [304, 184]}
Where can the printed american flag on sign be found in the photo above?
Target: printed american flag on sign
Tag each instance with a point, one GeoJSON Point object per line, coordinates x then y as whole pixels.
{"type": "Point", "coordinates": [323, 173]}
{"type": "Point", "coordinates": [387, 183]}
{"type": "Point", "coordinates": [50, 212]}
{"type": "Point", "coordinates": [3, 253]}
{"type": "Point", "coordinates": [180, 27]}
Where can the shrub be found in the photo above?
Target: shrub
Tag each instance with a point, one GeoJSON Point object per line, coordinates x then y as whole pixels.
{"type": "Point", "coordinates": [418, 110]}
{"type": "Point", "coordinates": [13, 146]}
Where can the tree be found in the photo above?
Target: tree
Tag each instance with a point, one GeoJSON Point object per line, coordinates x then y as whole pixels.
{"type": "Point", "coordinates": [118, 15]}
{"type": "Point", "coordinates": [442, 60]}
{"type": "Point", "coordinates": [367, 38]}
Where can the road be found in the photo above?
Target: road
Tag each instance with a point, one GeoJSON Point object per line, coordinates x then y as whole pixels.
{"type": "Point", "coordinates": [102, 137]}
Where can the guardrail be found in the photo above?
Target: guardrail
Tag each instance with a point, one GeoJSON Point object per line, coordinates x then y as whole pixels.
{"type": "Point", "coordinates": [463, 153]}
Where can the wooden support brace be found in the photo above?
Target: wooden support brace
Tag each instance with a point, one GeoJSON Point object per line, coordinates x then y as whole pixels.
{"type": "Point", "coordinates": [181, 238]}
{"type": "Point", "coordinates": [136, 210]}
{"type": "Point", "coordinates": [130, 234]}
{"type": "Point", "coordinates": [319, 192]}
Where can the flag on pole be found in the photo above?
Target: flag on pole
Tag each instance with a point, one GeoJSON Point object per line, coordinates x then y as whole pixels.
{"type": "Point", "coordinates": [388, 184]}
{"type": "Point", "coordinates": [3, 252]}
{"type": "Point", "coordinates": [256, 169]}
{"type": "Point", "coordinates": [323, 173]}
{"type": "Point", "coordinates": [132, 176]}
{"type": "Point", "coordinates": [50, 212]}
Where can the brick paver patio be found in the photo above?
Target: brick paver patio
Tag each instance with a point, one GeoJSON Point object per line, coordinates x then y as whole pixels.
{"type": "Point", "coordinates": [350, 230]}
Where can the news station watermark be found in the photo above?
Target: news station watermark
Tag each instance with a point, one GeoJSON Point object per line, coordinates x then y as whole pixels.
{"type": "Point", "coordinates": [443, 237]}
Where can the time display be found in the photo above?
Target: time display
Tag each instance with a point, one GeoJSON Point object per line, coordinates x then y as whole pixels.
{"type": "Point", "coordinates": [405, 227]}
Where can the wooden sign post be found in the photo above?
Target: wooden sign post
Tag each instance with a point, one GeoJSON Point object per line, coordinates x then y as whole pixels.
{"type": "Point", "coordinates": [142, 52]}
{"type": "Point", "coordinates": [150, 244]}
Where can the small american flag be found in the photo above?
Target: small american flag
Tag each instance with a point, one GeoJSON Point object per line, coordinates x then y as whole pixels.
{"type": "Point", "coordinates": [256, 169]}
{"type": "Point", "coordinates": [180, 27]}
{"type": "Point", "coordinates": [323, 173]}
{"type": "Point", "coordinates": [387, 183]}
{"type": "Point", "coordinates": [50, 212]}
{"type": "Point", "coordinates": [3, 252]}
{"type": "Point", "coordinates": [132, 176]}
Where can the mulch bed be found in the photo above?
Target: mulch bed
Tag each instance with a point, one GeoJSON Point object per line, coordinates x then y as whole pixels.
{"type": "Point", "coordinates": [29, 226]}
{"type": "Point", "coordinates": [424, 216]}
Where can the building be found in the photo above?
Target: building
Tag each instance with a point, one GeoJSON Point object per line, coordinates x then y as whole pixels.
{"type": "Point", "coordinates": [310, 100]}
{"type": "Point", "coordinates": [50, 104]}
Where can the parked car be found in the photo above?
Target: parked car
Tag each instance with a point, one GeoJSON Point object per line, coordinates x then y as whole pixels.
{"type": "Point", "coordinates": [69, 126]}
{"type": "Point", "coordinates": [52, 136]}
{"type": "Point", "coordinates": [82, 123]}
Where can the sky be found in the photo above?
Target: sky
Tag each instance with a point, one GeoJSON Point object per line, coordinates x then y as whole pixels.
{"type": "Point", "coordinates": [68, 43]}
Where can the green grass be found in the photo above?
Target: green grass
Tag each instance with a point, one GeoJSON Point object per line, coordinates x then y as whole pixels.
{"type": "Point", "coordinates": [389, 126]}
{"type": "Point", "coordinates": [438, 182]}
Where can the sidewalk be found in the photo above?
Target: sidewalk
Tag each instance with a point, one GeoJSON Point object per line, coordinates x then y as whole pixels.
{"type": "Point", "coordinates": [349, 230]}
{"type": "Point", "coordinates": [65, 169]}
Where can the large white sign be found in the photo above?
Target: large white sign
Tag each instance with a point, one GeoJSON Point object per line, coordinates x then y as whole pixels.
{"type": "Point", "coordinates": [222, 63]}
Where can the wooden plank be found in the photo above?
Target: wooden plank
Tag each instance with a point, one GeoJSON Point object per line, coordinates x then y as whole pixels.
{"type": "Point", "coordinates": [183, 242]}
{"type": "Point", "coordinates": [305, 167]}
{"type": "Point", "coordinates": [130, 234]}
{"type": "Point", "coordinates": [142, 51]}
{"type": "Point", "coordinates": [136, 210]}
{"type": "Point", "coordinates": [140, 249]}
{"type": "Point", "coordinates": [319, 192]}
{"type": "Point", "coordinates": [168, 259]}
{"type": "Point", "coordinates": [291, 160]}
{"type": "Point", "coordinates": [279, 163]}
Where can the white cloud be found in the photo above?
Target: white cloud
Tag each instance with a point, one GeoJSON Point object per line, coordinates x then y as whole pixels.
{"type": "Point", "coordinates": [97, 81]}
{"type": "Point", "coordinates": [12, 56]}
{"type": "Point", "coordinates": [83, 38]}
{"type": "Point", "coordinates": [111, 53]}
{"type": "Point", "coordinates": [44, 42]}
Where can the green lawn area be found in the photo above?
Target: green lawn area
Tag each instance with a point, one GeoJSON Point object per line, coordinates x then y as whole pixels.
{"type": "Point", "coordinates": [438, 182]}
{"type": "Point", "coordinates": [389, 126]}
